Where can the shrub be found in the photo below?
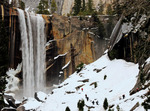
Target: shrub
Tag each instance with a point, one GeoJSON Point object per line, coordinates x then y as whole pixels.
{"type": "Point", "coordinates": [110, 109]}
{"type": "Point", "coordinates": [79, 67]}
{"type": "Point", "coordinates": [118, 108]}
{"type": "Point", "coordinates": [113, 54]}
{"type": "Point", "coordinates": [105, 104]}
{"type": "Point", "coordinates": [95, 84]}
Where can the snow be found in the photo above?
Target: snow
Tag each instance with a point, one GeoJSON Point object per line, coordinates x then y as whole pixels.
{"type": "Point", "coordinates": [85, 29]}
{"type": "Point", "coordinates": [66, 65]}
{"type": "Point", "coordinates": [32, 104]}
{"type": "Point", "coordinates": [13, 81]}
{"type": "Point", "coordinates": [60, 55]}
{"type": "Point", "coordinates": [10, 1]}
{"type": "Point", "coordinates": [91, 33]}
{"type": "Point", "coordinates": [42, 96]}
{"type": "Point", "coordinates": [148, 61]}
{"type": "Point", "coordinates": [48, 43]}
{"type": "Point", "coordinates": [121, 78]}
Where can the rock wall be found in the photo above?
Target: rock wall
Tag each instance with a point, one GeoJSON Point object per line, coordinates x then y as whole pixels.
{"type": "Point", "coordinates": [70, 41]}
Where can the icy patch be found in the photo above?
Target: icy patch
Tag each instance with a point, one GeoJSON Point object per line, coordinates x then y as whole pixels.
{"type": "Point", "coordinates": [13, 81]}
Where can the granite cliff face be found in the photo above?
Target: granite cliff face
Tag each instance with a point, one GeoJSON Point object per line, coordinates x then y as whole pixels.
{"type": "Point", "coordinates": [70, 41]}
{"type": "Point", "coordinates": [75, 43]}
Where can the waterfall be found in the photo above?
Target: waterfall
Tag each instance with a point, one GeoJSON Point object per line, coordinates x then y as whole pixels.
{"type": "Point", "coordinates": [41, 52]}
{"type": "Point", "coordinates": [30, 75]}
{"type": "Point", "coordinates": [116, 34]}
{"type": "Point", "coordinates": [33, 52]}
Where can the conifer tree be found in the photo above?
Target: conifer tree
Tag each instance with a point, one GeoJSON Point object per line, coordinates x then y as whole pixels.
{"type": "Point", "coordinates": [43, 7]}
{"type": "Point", "coordinates": [77, 7]}
{"type": "Point", "coordinates": [53, 6]}
{"type": "Point", "coordinates": [90, 6]}
{"type": "Point", "coordinates": [83, 5]}
{"type": "Point", "coordinates": [100, 7]}
{"type": "Point", "coordinates": [67, 109]}
{"type": "Point", "coordinates": [22, 5]}
{"type": "Point", "coordinates": [105, 104]}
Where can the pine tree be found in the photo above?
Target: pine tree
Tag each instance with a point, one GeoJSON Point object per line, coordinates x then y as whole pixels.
{"type": "Point", "coordinates": [22, 5]}
{"type": "Point", "coordinates": [101, 29]}
{"type": "Point", "coordinates": [81, 105]}
{"type": "Point", "coordinates": [43, 7]}
{"type": "Point", "coordinates": [53, 6]}
{"type": "Point", "coordinates": [77, 7]}
{"type": "Point", "coordinates": [90, 8]}
{"type": "Point", "coordinates": [101, 7]}
{"type": "Point", "coordinates": [105, 104]}
{"type": "Point", "coordinates": [83, 5]}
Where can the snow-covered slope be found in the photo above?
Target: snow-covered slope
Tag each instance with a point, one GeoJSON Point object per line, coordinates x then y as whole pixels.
{"type": "Point", "coordinates": [120, 77]}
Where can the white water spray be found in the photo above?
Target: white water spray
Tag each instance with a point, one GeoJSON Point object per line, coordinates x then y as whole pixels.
{"type": "Point", "coordinates": [33, 52]}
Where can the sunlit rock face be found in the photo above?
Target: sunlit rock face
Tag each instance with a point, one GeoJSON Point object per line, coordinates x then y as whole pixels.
{"type": "Point", "coordinates": [80, 34]}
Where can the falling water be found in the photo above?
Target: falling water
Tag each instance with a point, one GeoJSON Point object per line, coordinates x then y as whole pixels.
{"type": "Point", "coordinates": [33, 52]}
{"type": "Point", "coordinates": [41, 55]}
{"type": "Point", "coordinates": [30, 75]}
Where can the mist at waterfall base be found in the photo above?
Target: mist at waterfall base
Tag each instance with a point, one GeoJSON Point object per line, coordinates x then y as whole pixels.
{"type": "Point", "coordinates": [33, 42]}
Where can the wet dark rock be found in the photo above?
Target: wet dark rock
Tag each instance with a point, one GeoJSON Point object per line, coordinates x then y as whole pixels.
{"type": "Point", "coordinates": [85, 80]}
{"type": "Point", "coordinates": [78, 87]}
{"type": "Point", "coordinates": [10, 100]}
{"type": "Point", "coordinates": [70, 92]}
